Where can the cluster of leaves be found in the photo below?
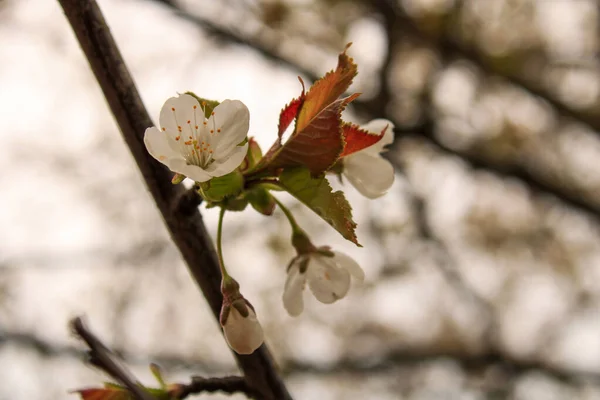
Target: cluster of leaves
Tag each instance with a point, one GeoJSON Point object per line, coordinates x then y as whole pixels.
{"type": "Point", "coordinates": [320, 138]}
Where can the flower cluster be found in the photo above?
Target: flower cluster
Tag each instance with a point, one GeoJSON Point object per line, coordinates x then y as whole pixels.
{"type": "Point", "coordinates": [206, 141]}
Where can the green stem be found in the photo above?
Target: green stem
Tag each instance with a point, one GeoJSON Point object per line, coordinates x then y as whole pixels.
{"type": "Point", "coordinates": [289, 216]}
{"type": "Point", "coordinates": [224, 273]}
{"type": "Point", "coordinates": [300, 239]}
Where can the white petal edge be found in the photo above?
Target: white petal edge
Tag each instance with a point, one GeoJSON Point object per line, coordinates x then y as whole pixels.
{"type": "Point", "coordinates": [348, 263]}
{"type": "Point", "coordinates": [293, 291]}
{"type": "Point", "coordinates": [370, 174]}
{"type": "Point", "coordinates": [157, 145]}
{"type": "Point", "coordinates": [191, 171]}
{"type": "Point", "coordinates": [233, 117]}
{"type": "Point", "coordinates": [184, 111]}
{"type": "Point", "coordinates": [327, 282]}
{"type": "Point", "coordinates": [220, 168]}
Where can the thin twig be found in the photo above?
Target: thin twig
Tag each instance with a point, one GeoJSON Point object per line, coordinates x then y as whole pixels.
{"type": "Point", "coordinates": [227, 384]}
{"type": "Point", "coordinates": [101, 357]}
{"type": "Point", "coordinates": [369, 365]}
{"type": "Point", "coordinates": [187, 229]}
{"type": "Point", "coordinates": [452, 48]}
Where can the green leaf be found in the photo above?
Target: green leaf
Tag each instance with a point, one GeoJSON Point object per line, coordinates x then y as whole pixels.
{"type": "Point", "coordinates": [317, 194]}
{"type": "Point", "coordinates": [221, 187]}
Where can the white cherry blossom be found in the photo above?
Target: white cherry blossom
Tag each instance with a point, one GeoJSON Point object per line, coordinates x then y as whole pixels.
{"type": "Point", "coordinates": [243, 334]}
{"type": "Point", "coordinates": [198, 147]}
{"type": "Point", "coordinates": [367, 171]}
{"type": "Point", "coordinates": [328, 279]}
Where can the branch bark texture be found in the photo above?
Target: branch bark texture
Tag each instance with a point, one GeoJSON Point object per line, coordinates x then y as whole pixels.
{"type": "Point", "coordinates": [185, 226]}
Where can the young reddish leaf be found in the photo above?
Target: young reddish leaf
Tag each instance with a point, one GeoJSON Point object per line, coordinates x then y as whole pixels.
{"type": "Point", "coordinates": [357, 139]}
{"type": "Point", "coordinates": [317, 140]}
{"type": "Point", "coordinates": [317, 194]}
{"type": "Point", "coordinates": [318, 146]}
{"type": "Point", "coordinates": [110, 392]}
{"type": "Point", "coordinates": [327, 89]}
{"type": "Point", "coordinates": [289, 112]}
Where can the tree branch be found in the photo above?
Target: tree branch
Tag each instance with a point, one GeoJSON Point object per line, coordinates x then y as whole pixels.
{"type": "Point", "coordinates": [228, 384]}
{"type": "Point", "coordinates": [469, 362]}
{"type": "Point", "coordinates": [452, 48]}
{"type": "Point", "coordinates": [187, 230]}
{"type": "Point", "coordinates": [369, 365]}
{"type": "Point", "coordinates": [101, 357]}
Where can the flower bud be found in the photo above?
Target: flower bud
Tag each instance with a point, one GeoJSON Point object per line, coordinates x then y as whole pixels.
{"type": "Point", "coordinates": [238, 319]}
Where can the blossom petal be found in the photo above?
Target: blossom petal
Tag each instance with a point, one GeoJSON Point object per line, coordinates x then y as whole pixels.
{"type": "Point", "coordinates": [177, 111]}
{"type": "Point", "coordinates": [244, 335]}
{"type": "Point", "coordinates": [347, 262]}
{"type": "Point", "coordinates": [191, 171]}
{"type": "Point", "coordinates": [376, 126]}
{"type": "Point", "coordinates": [326, 281]}
{"type": "Point", "coordinates": [370, 174]}
{"type": "Point", "coordinates": [228, 163]}
{"type": "Point", "coordinates": [233, 118]}
{"type": "Point", "coordinates": [293, 291]}
{"type": "Point", "coordinates": [157, 144]}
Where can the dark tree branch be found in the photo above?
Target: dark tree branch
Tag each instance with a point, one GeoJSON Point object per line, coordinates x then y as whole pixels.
{"type": "Point", "coordinates": [451, 48]}
{"type": "Point", "coordinates": [170, 361]}
{"type": "Point", "coordinates": [101, 357]}
{"type": "Point", "coordinates": [228, 384]}
{"type": "Point", "coordinates": [474, 363]}
{"type": "Point", "coordinates": [470, 362]}
{"type": "Point", "coordinates": [209, 27]}
{"type": "Point", "coordinates": [187, 230]}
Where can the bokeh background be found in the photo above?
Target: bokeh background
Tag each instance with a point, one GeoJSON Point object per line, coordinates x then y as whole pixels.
{"type": "Point", "coordinates": [482, 262]}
